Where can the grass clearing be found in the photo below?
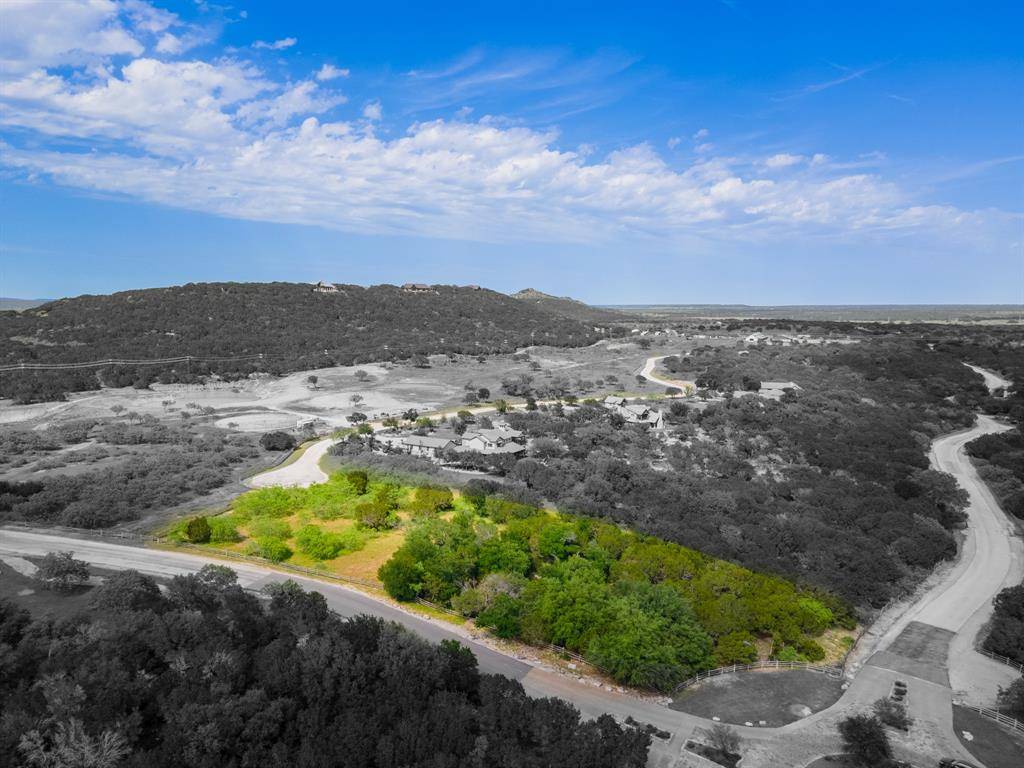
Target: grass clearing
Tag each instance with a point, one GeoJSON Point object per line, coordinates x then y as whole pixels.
{"type": "Point", "coordinates": [994, 745]}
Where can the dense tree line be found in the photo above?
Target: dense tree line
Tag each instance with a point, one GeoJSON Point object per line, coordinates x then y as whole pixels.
{"type": "Point", "coordinates": [1000, 462]}
{"type": "Point", "coordinates": [649, 612]}
{"type": "Point", "coordinates": [206, 676]}
{"type": "Point", "coordinates": [1006, 629]}
{"type": "Point", "coordinates": [293, 327]}
{"type": "Point", "coordinates": [175, 464]}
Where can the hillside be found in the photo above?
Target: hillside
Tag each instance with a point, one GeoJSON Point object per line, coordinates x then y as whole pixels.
{"type": "Point", "coordinates": [292, 327]}
{"type": "Point", "coordinates": [571, 308]}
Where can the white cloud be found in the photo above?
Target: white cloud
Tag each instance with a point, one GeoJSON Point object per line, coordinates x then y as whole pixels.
{"type": "Point", "coordinates": [36, 33]}
{"type": "Point", "coordinates": [304, 98]}
{"type": "Point", "coordinates": [223, 137]}
{"type": "Point", "coordinates": [783, 160]}
{"type": "Point", "coordinates": [674, 142]}
{"type": "Point", "coordinates": [331, 72]}
{"type": "Point", "coordinates": [277, 45]}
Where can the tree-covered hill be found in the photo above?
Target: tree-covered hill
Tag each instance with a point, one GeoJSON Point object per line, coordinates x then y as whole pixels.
{"type": "Point", "coordinates": [290, 325]}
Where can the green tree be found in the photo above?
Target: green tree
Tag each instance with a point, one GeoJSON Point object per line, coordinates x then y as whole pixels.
{"type": "Point", "coordinates": [502, 617]}
{"type": "Point", "coordinates": [197, 530]}
{"type": "Point", "coordinates": [503, 554]}
{"type": "Point", "coordinates": [401, 576]}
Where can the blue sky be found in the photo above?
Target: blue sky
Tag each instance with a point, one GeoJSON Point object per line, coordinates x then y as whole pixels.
{"type": "Point", "coordinates": [688, 152]}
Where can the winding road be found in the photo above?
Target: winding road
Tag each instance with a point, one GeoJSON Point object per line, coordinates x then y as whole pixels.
{"type": "Point", "coordinates": [947, 616]}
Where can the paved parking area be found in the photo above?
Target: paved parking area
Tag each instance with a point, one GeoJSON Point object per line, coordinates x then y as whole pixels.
{"type": "Point", "coordinates": [920, 651]}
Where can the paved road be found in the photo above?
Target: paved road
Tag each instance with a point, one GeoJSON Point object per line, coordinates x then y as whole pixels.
{"type": "Point", "coordinates": [648, 373]}
{"type": "Point", "coordinates": [992, 379]}
{"type": "Point", "coordinates": [302, 472]}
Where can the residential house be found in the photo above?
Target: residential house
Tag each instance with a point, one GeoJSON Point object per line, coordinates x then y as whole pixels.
{"type": "Point", "coordinates": [322, 287]}
{"type": "Point", "coordinates": [489, 441]}
{"type": "Point", "coordinates": [425, 446]}
{"type": "Point", "coordinates": [635, 413]}
{"type": "Point", "coordinates": [417, 288]}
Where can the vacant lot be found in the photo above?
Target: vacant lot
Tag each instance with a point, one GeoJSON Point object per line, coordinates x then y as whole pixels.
{"type": "Point", "coordinates": [776, 698]}
{"type": "Point", "coordinates": [994, 745]}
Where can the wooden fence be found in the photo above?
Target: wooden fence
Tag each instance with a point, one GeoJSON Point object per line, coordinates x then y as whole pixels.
{"type": "Point", "coordinates": [996, 715]}
{"type": "Point", "coordinates": [1002, 660]}
{"type": "Point", "coordinates": [769, 664]}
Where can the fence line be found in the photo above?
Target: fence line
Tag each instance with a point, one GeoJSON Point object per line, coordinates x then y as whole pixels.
{"type": "Point", "coordinates": [1002, 660]}
{"type": "Point", "coordinates": [996, 715]}
{"type": "Point", "coordinates": [832, 671]}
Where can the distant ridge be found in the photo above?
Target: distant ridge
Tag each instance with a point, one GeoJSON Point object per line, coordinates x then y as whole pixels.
{"type": "Point", "coordinates": [571, 308]}
{"type": "Point", "coordinates": [242, 328]}
{"type": "Point", "coordinates": [897, 313]}
{"type": "Point", "coordinates": [7, 303]}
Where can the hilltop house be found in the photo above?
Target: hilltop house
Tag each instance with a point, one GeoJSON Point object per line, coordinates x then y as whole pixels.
{"type": "Point", "coordinates": [417, 288]}
{"type": "Point", "coordinates": [322, 287]}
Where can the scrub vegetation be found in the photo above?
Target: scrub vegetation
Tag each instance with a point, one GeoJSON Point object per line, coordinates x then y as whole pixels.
{"type": "Point", "coordinates": [103, 472]}
{"type": "Point", "coordinates": [647, 611]}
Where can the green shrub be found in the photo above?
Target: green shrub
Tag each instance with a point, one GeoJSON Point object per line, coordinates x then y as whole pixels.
{"type": "Point", "coordinates": [197, 530]}
{"type": "Point", "coordinates": [428, 500]}
{"type": "Point", "coordinates": [735, 648]}
{"type": "Point", "coordinates": [270, 548]}
{"type": "Point", "coordinates": [373, 514]}
{"type": "Point", "coordinates": [269, 502]}
{"type": "Point", "coordinates": [358, 481]}
{"type": "Point", "coordinates": [268, 527]}
{"type": "Point", "coordinates": [810, 649]}
{"type": "Point", "coordinates": [222, 529]}
{"type": "Point", "coordinates": [892, 713]}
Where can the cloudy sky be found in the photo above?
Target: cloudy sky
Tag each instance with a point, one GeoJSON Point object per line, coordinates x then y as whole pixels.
{"type": "Point", "coordinates": [683, 152]}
